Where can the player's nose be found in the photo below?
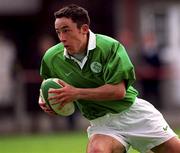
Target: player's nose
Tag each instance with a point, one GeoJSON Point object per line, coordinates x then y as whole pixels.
{"type": "Point", "coordinates": [62, 38]}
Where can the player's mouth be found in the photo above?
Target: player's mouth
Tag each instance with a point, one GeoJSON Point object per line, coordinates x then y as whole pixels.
{"type": "Point", "coordinates": [66, 46]}
{"type": "Point", "coordinates": [70, 49]}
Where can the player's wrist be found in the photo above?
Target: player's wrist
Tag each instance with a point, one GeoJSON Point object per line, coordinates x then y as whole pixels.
{"type": "Point", "coordinates": [78, 95]}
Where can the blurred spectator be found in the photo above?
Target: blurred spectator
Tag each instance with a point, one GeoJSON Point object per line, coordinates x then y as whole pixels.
{"type": "Point", "coordinates": [7, 62]}
{"type": "Point", "coordinates": [37, 47]}
{"type": "Point", "coordinates": [45, 42]}
{"type": "Point", "coordinates": [149, 70]}
{"type": "Point", "coordinates": [126, 37]}
{"type": "Point", "coordinates": [33, 82]}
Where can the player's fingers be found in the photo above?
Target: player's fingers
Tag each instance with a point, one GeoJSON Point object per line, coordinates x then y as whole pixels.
{"type": "Point", "coordinates": [47, 110]}
{"type": "Point", "coordinates": [54, 91]}
{"type": "Point", "coordinates": [56, 98]}
{"type": "Point", "coordinates": [42, 104]}
{"type": "Point", "coordinates": [62, 83]}
{"type": "Point", "coordinates": [61, 105]}
{"type": "Point", "coordinates": [50, 112]}
{"type": "Point", "coordinates": [56, 101]}
{"type": "Point", "coordinates": [44, 108]}
{"type": "Point", "coordinates": [53, 96]}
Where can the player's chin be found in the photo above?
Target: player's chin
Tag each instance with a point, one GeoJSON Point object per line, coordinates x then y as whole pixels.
{"type": "Point", "coordinates": [72, 51]}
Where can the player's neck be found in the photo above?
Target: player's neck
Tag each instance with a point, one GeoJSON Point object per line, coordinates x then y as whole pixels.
{"type": "Point", "coordinates": [84, 47]}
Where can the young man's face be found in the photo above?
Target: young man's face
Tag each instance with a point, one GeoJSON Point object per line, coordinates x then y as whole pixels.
{"type": "Point", "coordinates": [73, 38]}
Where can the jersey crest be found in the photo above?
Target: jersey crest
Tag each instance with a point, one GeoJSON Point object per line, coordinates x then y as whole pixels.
{"type": "Point", "coordinates": [96, 67]}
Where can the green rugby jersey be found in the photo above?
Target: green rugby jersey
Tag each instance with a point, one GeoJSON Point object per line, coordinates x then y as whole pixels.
{"type": "Point", "coordinates": [106, 63]}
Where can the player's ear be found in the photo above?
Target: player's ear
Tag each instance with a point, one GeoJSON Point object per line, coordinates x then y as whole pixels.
{"type": "Point", "coordinates": [85, 28]}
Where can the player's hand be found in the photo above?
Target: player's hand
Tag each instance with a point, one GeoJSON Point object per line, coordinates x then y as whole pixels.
{"type": "Point", "coordinates": [45, 107]}
{"type": "Point", "coordinates": [63, 95]}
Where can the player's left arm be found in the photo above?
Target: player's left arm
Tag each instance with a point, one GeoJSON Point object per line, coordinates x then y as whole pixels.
{"type": "Point", "coordinates": [105, 92]}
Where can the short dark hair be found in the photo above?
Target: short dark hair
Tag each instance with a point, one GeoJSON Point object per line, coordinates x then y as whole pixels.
{"type": "Point", "coordinates": [76, 13]}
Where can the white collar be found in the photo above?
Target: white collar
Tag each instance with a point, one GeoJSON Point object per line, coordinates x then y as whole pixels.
{"type": "Point", "coordinates": [92, 40]}
{"type": "Point", "coordinates": [91, 46]}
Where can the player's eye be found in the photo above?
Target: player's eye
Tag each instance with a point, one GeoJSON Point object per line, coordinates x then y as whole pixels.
{"type": "Point", "coordinates": [65, 30]}
{"type": "Point", "coordinates": [58, 32]}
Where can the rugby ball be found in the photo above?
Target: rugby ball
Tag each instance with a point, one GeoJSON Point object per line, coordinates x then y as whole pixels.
{"type": "Point", "coordinates": [52, 83]}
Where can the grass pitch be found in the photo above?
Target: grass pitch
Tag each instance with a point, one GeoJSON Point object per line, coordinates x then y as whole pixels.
{"type": "Point", "coordinates": [47, 143]}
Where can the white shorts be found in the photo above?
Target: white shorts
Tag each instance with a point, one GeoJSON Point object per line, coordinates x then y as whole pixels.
{"type": "Point", "coordinates": [142, 126]}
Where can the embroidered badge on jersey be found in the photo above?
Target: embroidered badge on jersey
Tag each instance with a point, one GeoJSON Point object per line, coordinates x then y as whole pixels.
{"type": "Point", "coordinates": [96, 67]}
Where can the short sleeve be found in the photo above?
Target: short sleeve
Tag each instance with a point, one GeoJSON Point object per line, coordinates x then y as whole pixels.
{"type": "Point", "coordinates": [44, 70]}
{"type": "Point", "coordinates": [118, 67]}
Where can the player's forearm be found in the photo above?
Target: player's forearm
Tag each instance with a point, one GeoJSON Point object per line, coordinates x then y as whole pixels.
{"type": "Point", "coordinates": [106, 92]}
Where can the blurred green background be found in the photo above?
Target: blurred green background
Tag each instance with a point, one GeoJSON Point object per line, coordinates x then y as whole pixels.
{"type": "Point", "coordinates": [71, 142]}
